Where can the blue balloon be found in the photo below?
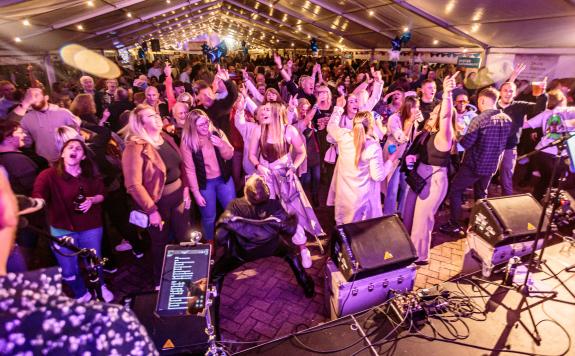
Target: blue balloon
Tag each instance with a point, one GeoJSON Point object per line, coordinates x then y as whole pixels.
{"type": "Point", "coordinates": [405, 37]}
{"type": "Point", "coordinates": [396, 44]}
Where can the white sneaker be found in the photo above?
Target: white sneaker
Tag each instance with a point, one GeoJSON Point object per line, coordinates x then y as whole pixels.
{"type": "Point", "coordinates": [123, 246]}
{"type": "Point", "coordinates": [107, 294]}
{"type": "Point", "coordinates": [85, 298]}
{"type": "Point", "coordinates": [305, 258]}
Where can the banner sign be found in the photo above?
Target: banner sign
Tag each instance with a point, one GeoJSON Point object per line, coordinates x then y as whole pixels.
{"type": "Point", "coordinates": [538, 66]}
{"type": "Point", "coordinates": [468, 61]}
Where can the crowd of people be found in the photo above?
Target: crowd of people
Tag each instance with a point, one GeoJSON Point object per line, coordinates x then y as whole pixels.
{"type": "Point", "coordinates": [378, 138]}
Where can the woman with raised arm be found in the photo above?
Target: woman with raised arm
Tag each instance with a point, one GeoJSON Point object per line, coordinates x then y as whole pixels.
{"type": "Point", "coordinates": [431, 162]}
{"type": "Point", "coordinates": [270, 151]}
{"type": "Point", "coordinates": [360, 168]}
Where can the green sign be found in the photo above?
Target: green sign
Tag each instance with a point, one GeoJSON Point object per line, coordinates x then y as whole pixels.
{"type": "Point", "coordinates": [468, 61]}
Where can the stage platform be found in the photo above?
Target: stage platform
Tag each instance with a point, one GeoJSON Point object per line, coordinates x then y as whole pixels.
{"type": "Point", "coordinates": [495, 327]}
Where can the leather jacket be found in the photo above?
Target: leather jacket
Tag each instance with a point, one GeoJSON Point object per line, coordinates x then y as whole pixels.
{"type": "Point", "coordinates": [254, 231]}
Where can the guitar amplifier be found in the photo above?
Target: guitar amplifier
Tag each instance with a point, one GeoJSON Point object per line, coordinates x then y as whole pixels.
{"type": "Point", "coordinates": [371, 247]}
{"type": "Point", "coordinates": [506, 220]}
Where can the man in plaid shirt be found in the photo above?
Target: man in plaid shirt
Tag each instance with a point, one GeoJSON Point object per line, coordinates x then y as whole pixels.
{"type": "Point", "coordinates": [484, 144]}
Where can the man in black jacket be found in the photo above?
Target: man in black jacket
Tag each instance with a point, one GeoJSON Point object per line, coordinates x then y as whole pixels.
{"type": "Point", "coordinates": [218, 110]}
{"type": "Point", "coordinates": [254, 227]}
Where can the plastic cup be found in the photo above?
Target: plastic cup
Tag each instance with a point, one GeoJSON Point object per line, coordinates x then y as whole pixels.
{"type": "Point", "coordinates": [537, 88]}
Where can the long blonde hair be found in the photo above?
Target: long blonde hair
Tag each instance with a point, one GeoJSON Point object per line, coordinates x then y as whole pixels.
{"type": "Point", "coordinates": [275, 128]}
{"type": "Point", "coordinates": [135, 129]}
{"type": "Point", "coordinates": [190, 133]}
{"type": "Point", "coordinates": [362, 124]}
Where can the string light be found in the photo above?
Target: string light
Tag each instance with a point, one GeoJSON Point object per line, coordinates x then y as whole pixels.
{"type": "Point", "coordinates": [129, 14]}
{"type": "Point", "coordinates": [26, 22]}
{"type": "Point", "coordinates": [405, 29]}
{"type": "Point", "coordinates": [435, 42]}
{"type": "Point", "coordinates": [90, 3]}
{"type": "Point", "coordinates": [17, 39]}
{"type": "Point", "coordinates": [371, 12]}
{"type": "Point", "coordinates": [80, 27]}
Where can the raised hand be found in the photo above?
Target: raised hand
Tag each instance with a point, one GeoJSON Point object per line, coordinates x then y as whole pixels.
{"type": "Point", "coordinates": [449, 83]}
{"type": "Point", "coordinates": [245, 74]}
{"type": "Point", "coordinates": [278, 60]}
{"type": "Point", "coordinates": [376, 74]}
{"type": "Point", "coordinates": [222, 73]}
{"type": "Point", "coordinates": [340, 101]}
{"type": "Point", "coordinates": [168, 70]}
{"type": "Point", "coordinates": [293, 100]}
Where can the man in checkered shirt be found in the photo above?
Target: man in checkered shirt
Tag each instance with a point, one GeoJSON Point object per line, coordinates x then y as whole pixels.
{"type": "Point", "coordinates": [484, 144]}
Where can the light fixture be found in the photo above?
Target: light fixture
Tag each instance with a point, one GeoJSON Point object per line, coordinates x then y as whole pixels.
{"type": "Point", "coordinates": [168, 1]}
{"type": "Point", "coordinates": [326, 46]}
{"type": "Point", "coordinates": [80, 27]}
{"type": "Point", "coordinates": [17, 39]}
{"type": "Point", "coordinates": [465, 50]}
{"type": "Point", "coordinates": [25, 22]}
{"type": "Point", "coordinates": [90, 3]}
{"type": "Point", "coordinates": [371, 13]}
{"type": "Point", "coordinates": [292, 44]}
{"type": "Point", "coordinates": [405, 29]}
{"type": "Point", "coordinates": [129, 14]}
{"type": "Point", "coordinates": [435, 42]}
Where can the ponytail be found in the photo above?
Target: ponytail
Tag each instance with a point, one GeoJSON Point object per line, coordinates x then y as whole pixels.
{"type": "Point", "coordinates": [358, 140]}
{"type": "Point", "coordinates": [362, 123]}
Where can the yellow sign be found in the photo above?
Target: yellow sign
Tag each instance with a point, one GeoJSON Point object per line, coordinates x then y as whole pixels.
{"type": "Point", "coordinates": [387, 255]}
{"type": "Point", "coordinates": [530, 226]}
{"type": "Point", "coordinates": [168, 345]}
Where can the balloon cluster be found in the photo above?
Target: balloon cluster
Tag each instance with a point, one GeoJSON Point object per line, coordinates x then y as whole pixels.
{"type": "Point", "coordinates": [313, 45]}
{"type": "Point", "coordinates": [397, 42]}
{"type": "Point", "coordinates": [215, 53]}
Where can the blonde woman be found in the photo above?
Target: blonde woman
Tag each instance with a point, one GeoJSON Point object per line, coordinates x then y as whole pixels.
{"type": "Point", "coordinates": [360, 168]}
{"type": "Point", "coordinates": [155, 178]}
{"type": "Point", "coordinates": [207, 155]}
{"type": "Point", "coordinates": [269, 152]}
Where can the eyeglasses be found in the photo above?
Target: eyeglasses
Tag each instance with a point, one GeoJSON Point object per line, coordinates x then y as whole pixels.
{"type": "Point", "coordinates": [462, 101]}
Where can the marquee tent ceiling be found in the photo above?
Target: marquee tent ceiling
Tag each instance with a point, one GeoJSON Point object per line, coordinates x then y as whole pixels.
{"type": "Point", "coordinates": [39, 25]}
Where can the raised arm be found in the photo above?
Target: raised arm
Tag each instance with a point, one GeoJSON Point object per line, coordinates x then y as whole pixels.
{"type": "Point", "coordinates": [252, 88]}
{"type": "Point", "coordinates": [168, 82]}
{"type": "Point", "coordinates": [333, 128]}
{"type": "Point", "coordinates": [376, 90]}
{"type": "Point", "coordinates": [285, 75]}
{"type": "Point", "coordinates": [444, 138]}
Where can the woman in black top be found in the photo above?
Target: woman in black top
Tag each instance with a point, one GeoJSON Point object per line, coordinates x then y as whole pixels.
{"type": "Point", "coordinates": [432, 165]}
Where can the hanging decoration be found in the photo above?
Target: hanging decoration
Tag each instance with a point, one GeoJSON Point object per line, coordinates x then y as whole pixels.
{"type": "Point", "coordinates": [217, 50]}
{"type": "Point", "coordinates": [313, 45]}
{"type": "Point", "coordinates": [405, 37]}
{"type": "Point", "coordinates": [395, 49]}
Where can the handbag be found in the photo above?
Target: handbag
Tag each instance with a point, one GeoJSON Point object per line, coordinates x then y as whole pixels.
{"type": "Point", "coordinates": [139, 218]}
{"type": "Point", "coordinates": [415, 181]}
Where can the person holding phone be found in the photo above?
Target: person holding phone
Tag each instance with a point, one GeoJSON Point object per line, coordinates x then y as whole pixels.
{"type": "Point", "coordinates": [359, 169]}
{"type": "Point", "coordinates": [154, 176]}
{"type": "Point", "coordinates": [207, 156]}
{"type": "Point", "coordinates": [434, 154]}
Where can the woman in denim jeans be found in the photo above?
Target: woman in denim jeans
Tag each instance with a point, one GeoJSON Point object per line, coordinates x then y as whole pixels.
{"type": "Point", "coordinates": [59, 187]}
{"type": "Point", "coordinates": [207, 154]}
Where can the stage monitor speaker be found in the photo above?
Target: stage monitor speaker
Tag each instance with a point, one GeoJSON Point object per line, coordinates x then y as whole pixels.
{"type": "Point", "coordinates": [171, 335]}
{"type": "Point", "coordinates": [371, 247]}
{"type": "Point", "coordinates": [506, 220]}
{"type": "Point", "coordinates": [155, 44]}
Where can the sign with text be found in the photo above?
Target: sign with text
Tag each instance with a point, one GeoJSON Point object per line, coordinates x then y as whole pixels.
{"type": "Point", "coordinates": [469, 61]}
{"type": "Point", "coordinates": [538, 66]}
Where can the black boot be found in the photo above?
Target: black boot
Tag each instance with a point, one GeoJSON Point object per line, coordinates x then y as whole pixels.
{"type": "Point", "coordinates": [303, 279]}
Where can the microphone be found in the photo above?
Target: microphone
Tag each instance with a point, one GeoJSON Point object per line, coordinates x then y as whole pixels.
{"type": "Point", "coordinates": [27, 205]}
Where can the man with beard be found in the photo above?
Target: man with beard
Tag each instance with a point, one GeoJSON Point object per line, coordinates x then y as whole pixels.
{"type": "Point", "coordinates": [39, 120]}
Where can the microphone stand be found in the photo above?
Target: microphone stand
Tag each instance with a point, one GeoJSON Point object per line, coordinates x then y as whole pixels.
{"type": "Point", "coordinates": [93, 262]}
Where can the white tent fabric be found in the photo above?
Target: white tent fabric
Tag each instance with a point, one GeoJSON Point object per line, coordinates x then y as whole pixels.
{"type": "Point", "coordinates": [49, 24]}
